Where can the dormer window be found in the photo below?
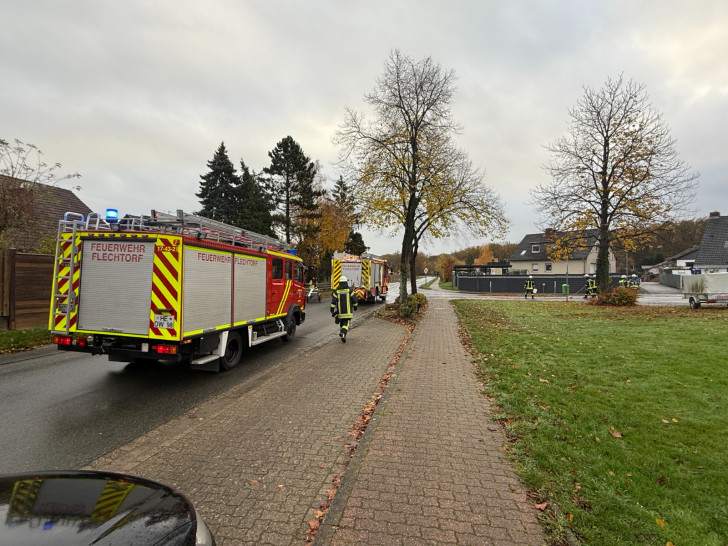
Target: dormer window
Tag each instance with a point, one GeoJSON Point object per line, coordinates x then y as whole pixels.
{"type": "Point", "coordinates": [535, 249]}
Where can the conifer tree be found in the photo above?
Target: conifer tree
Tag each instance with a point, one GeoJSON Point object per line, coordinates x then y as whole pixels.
{"type": "Point", "coordinates": [255, 203]}
{"type": "Point", "coordinates": [293, 181]}
{"type": "Point", "coordinates": [219, 188]}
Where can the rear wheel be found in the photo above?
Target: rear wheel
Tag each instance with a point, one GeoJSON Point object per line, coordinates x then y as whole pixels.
{"type": "Point", "coordinates": [694, 303]}
{"type": "Point", "coordinates": [233, 351]}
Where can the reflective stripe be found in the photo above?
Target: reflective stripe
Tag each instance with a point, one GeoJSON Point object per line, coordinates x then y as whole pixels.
{"type": "Point", "coordinates": [166, 286]}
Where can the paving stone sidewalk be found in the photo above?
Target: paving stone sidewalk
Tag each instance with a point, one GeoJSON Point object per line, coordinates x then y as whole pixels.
{"type": "Point", "coordinates": [434, 470]}
{"type": "Point", "coordinates": [259, 460]}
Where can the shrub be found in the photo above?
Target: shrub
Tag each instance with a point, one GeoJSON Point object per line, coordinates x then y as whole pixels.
{"type": "Point", "coordinates": [620, 297]}
{"type": "Point", "coordinates": [419, 299]}
{"type": "Point", "coordinates": [408, 308]}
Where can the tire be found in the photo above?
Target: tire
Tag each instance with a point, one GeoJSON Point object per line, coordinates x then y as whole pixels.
{"type": "Point", "coordinates": [290, 330]}
{"type": "Point", "coordinates": [694, 303]}
{"type": "Point", "coordinates": [233, 351]}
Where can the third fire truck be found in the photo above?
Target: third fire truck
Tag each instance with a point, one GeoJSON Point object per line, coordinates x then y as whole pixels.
{"type": "Point", "coordinates": [169, 287]}
{"type": "Point", "coordinates": [368, 275]}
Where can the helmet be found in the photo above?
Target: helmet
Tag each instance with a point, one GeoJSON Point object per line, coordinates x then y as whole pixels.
{"type": "Point", "coordinates": [623, 276]}
{"type": "Point", "coordinates": [530, 276]}
{"type": "Point", "coordinates": [343, 279]}
{"type": "Point", "coordinates": [586, 276]}
{"type": "Point", "coordinates": [633, 275]}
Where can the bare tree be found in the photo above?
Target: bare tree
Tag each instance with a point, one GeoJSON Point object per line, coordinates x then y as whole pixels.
{"type": "Point", "coordinates": [616, 171]}
{"type": "Point", "coordinates": [409, 173]}
{"type": "Point", "coordinates": [24, 173]}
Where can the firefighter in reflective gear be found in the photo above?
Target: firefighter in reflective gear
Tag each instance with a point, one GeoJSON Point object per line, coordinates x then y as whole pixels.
{"type": "Point", "coordinates": [343, 305]}
{"type": "Point", "coordinates": [529, 287]}
{"type": "Point", "coordinates": [591, 287]}
{"type": "Point", "coordinates": [633, 282]}
{"type": "Point", "coordinates": [623, 281]}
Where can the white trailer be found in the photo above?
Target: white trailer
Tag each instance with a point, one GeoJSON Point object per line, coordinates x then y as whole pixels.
{"type": "Point", "coordinates": [705, 288]}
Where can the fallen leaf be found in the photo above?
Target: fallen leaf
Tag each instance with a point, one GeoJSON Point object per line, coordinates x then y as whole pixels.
{"type": "Point", "coordinates": [660, 522]}
{"type": "Point", "coordinates": [254, 482]}
{"type": "Point", "coordinates": [318, 513]}
{"type": "Point", "coordinates": [615, 433]}
{"type": "Point", "coordinates": [577, 486]}
{"type": "Point", "coordinates": [280, 486]}
{"type": "Point", "coordinates": [314, 524]}
{"type": "Point", "coordinates": [661, 480]}
{"type": "Point", "coordinates": [597, 439]}
{"type": "Point", "coordinates": [542, 506]}
{"type": "Point", "coordinates": [665, 421]}
{"type": "Point", "coordinates": [543, 380]}
{"type": "Point", "coordinates": [674, 420]}
{"type": "Point", "coordinates": [570, 516]}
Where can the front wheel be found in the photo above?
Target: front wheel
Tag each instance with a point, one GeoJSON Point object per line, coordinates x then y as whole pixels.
{"type": "Point", "coordinates": [694, 303]}
{"type": "Point", "coordinates": [290, 330]}
{"type": "Point", "coordinates": [233, 351]}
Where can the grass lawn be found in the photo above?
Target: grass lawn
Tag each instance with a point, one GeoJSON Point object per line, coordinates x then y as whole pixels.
{"type": "Point", "coordinates": [617, 415]}
{"type": "Point", "coordinates": [13, 341]}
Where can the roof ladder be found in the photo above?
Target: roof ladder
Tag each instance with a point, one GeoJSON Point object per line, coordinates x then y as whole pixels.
{"type": "Point", "coordinates": [192, 224]}
{"type": "Point", "coordinates": [65, 265]}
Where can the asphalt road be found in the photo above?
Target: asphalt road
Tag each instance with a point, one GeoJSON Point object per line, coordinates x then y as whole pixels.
{"type": "Point", "coordinates": [62, 410]}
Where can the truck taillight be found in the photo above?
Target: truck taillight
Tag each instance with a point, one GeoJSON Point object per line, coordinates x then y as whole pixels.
{"type": "Point", "coordinates": [165, 349]}
{"type": "Point", "coordinates": [62, 340]}
{"type": "Point", "coordinates": [81, 342]}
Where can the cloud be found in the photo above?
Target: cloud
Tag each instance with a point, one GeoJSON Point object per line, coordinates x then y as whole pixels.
{"type": "Point", "coordinates": [136, 96]}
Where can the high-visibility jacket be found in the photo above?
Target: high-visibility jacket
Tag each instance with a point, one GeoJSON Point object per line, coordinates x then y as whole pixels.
{"type": "Point", "coordinates": [343, 302]}
{"type": "Point", "coordinates": [529, 285]}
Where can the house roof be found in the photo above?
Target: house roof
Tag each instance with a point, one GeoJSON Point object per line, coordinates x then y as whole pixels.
{"type": "Point", "coordinates": [714, 245]}
{"type": "Point", "coordinates": [45, 207]}
{"type": "Point", "coordinates": [524, 249]}
{"type": "Point", "coordinates": [688, 254]}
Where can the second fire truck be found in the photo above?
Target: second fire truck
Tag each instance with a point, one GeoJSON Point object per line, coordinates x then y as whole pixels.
{"type": "Point", "coordinates": [368, 275]}
{"type": "Point", "coordinates": [171, 287]}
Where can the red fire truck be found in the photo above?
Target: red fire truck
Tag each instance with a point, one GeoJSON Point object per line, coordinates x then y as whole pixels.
{"type": "Point", "coordinates": [171, 287]}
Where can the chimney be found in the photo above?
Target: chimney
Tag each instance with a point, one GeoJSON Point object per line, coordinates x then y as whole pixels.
{"type": "Point", "coordinates": [714, 214]}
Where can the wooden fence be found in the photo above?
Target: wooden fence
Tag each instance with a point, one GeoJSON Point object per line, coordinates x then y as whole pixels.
{"type": "Point", "coordinates": [25, 290]}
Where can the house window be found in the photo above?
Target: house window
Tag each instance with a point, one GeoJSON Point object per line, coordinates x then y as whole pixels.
{"type": "Point", "coordinates": [535, 249]}
{"type": "Point", "coordinates": [534, 268]}
{"type": "Point", "coordinates": [548, 267]}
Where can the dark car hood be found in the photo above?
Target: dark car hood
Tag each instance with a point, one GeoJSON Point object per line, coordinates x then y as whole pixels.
{"type": "Point", "coordinates": [100, 508]}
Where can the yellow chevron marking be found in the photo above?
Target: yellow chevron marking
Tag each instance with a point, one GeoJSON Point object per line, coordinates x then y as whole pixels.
{"type": "Point", "coordinates": [110, 500]}
{"type": "Point", "coordinates": [335, 273]}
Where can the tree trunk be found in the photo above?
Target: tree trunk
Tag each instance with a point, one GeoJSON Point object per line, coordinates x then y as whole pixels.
{"type": "Point", "coordinates": [413, 266]}
{"type": "Point", "coordinates": [603, 280]}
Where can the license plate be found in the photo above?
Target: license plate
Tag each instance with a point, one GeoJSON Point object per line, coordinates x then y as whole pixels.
{"type": "Point", "coordinates": [164, 321]}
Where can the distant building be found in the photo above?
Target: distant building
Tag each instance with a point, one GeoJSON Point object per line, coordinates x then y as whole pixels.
{"type": "Point", "coordinates": [713, 252]}
{"type": "Point", "coordinates": [42, 205]}
{"type": "Point", "coordinates": [532, 257]}
{"type": "Point", "coordinates": [679, 264]}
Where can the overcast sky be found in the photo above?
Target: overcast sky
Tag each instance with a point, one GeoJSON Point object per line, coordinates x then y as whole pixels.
{"type": "Point", "coordinates": [137, 95]}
